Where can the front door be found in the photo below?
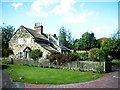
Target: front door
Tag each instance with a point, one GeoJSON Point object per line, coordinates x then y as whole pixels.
{"type": "Point", "coordinates": [27, 51]}
{"type": "Point", "coordinates": [27, 56]}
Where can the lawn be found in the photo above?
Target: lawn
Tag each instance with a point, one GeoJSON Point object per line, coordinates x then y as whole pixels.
{"type": "Point", "coordinates": [39, 75]}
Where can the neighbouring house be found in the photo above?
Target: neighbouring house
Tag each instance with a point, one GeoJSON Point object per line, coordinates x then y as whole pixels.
{"type": "Point", "coordinates": [25, 40]}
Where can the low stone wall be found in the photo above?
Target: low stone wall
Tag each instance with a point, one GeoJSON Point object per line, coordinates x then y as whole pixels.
{"type": "Point", "coordinates": [75, 65]}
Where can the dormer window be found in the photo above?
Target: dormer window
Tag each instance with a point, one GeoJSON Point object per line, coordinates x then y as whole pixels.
{"type": "Point", "coordinates": [20, 41]}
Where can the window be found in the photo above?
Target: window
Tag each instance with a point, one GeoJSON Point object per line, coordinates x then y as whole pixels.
{"type": "Point", "coordinates": [20, 54]}
{"type": "Point", "coordinates": [20, 41]}
{"type": "Point", "coordinates": [28, 40]}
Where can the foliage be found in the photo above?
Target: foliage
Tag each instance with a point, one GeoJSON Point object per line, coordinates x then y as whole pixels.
{"type": "Point", "coordinates": [116, 62]}
{"type": "Point", "coordinates": [104, 41]}
{"type": "Point", "coordinates": [86, 42]}
{"type": "Point", "coordinates": [96, 54]}
{"type": "Point", "coordinates": [35, 54]}
{"type": "Point", "coordinates": [52, 57]}
{"type": "Point", "coordinates": [112, 48]}
{"type": "Point", "coordinates": [99, 69]}
{"type": "Point", "coordinates": [6, 62]}
{"type": "Point", "coordinates": [82, 56]}
{"type": "Point", "coordinates": [6, 52]}
{"type": "Point", "coordinates": [69, 57]}
{"type": "Point", "coordinates": [39, 75]}
{"type": "Point", "coordinates": [7, 32]}
{"type": "Point", "coordinates": [65, 37]}
{"type": "Point", "coordinates": [61, 58]}
{"type": "Point", "coordinates": [116, 35]}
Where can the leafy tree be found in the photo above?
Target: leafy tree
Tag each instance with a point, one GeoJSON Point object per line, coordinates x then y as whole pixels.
{"type": "Point", "coordinates": [65, 37]}
{"type": "Point", "coordinates": [112, 45]}
{"type": "Point", "coordinates": [112, 48]}
{"type": "Point", "coordinates": [103, 41]}
{"type": "Point", "coordinates": [76, 44]}
{"type": "Point", "coordinates": [6, 33]}
{"type": "Point", "coordinates": [86, 42]}
{"type": "Point", "coordinates": [35, 54]}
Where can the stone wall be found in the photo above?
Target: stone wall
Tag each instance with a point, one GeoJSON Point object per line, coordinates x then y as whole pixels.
{"type": "Point", "coordinates": [75, 65]}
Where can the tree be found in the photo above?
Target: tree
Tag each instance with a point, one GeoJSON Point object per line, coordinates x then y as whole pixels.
{"type": "Point", "coordinates": [6, 33]}
{"type": "Point", "coordinates": [86, 42]}
{"type": "Point", "coordinates": [35, 54]}
{"type": "Point", "coordinates": [116, 35]}
{"type": "Point", "coordinates": [112, 45]}
{"type": "Point", "coordinates": [65, 38]}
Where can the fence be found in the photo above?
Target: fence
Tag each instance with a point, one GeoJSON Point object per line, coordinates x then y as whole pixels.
{"type": "Point", "coordinates": [75, 65]}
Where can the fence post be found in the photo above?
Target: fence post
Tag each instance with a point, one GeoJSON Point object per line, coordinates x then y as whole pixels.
{"type": "Point", "coordinates": [104, 66]}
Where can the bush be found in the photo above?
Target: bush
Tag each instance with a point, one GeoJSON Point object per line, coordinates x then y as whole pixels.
{"type": "Point", "coordinates": [6, 62]}
{"type": "Point", "coordinates": [35, 54]}
{"type": "Point", "coordinates": [82, 56]}
{"type": "Point", "coordinates": [6, 52]}
{"type": "Point", "coordinates": [69, 57]}
{"type": "Point", "coordinates": [99, 69]}
{"type": "Point", "coordinates": [96, 54]}
{"type": "Point", "coordinates": [61, 58]}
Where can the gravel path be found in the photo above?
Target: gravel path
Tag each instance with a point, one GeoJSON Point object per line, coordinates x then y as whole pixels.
{"type": "Point", "coordinates": [110, 80]}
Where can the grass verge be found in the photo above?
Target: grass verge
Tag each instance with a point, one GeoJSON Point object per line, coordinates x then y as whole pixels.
{"type": "Point", "coordinates": [37, 75]}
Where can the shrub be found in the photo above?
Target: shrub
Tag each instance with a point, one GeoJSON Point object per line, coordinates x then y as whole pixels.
{"type": "Point", "coordinates": [6, 52]}
{"type": "Point", "coordinates": [82, 56]}
{"type": "Point", "coordinates": [35, 54]}
{"type": "Point", "coordinates": [61, 58]}
{"type": "Point", "coordinates": [6, 62]}
{"type": "Point", "coordinates": [69, 57]}
{"type": "Point", "coordinates": [96, 54]}
{"type": "Point", "coordinates": [99, 69]}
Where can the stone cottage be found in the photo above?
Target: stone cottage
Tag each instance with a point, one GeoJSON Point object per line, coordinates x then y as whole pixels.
{"type": "Point", "coordinates": [25, 40]}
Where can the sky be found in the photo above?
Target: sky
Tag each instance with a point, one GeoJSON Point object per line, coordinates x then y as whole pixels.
{"type": "Point", "coordinates": [77, 16]}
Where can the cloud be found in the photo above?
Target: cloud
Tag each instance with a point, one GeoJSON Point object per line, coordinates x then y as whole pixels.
{"type": "Point", "coordinates": [65, 7]}
{"type": "Point", "coordinates": [74, 19]}
{"type": "Point", "coordinates": [69, 14]}
{"type": "Point", "coordinates": [102, 31]}
{"type": "Point", "coordinates": [82, 5]}
{"type": "Point", "coordinates": [37, 8]}
{"type": "Point", "coordinates": [16, 5]}
{"type": "Point", "coordinates": [90, 13]}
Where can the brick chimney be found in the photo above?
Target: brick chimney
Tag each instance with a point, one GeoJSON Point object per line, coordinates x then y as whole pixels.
{"type": "Point", "coordinates": [38, 27]}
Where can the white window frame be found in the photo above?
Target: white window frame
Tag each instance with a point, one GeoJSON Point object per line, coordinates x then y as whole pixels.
{"type": "Point", "coordinates": [28, 40]}
{"type": "Point", "coordinates": [20, 55]}
{"type": "Point", "coordinates": [20, 41]}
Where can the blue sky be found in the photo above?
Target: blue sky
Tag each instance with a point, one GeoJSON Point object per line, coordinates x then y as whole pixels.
{"type": "Point", "coordinates": [101, 18]}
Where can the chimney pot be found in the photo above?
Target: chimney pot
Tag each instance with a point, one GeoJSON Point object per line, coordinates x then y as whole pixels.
{"type": "Point", "coordinates": [38, 27]}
